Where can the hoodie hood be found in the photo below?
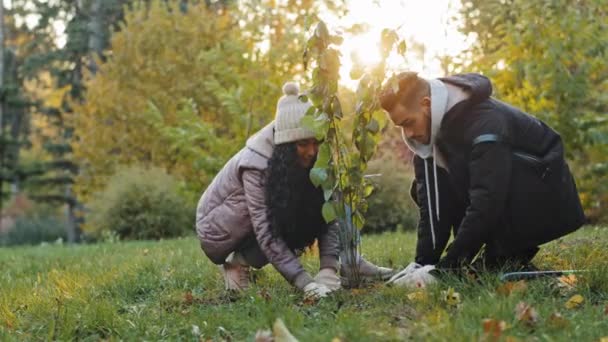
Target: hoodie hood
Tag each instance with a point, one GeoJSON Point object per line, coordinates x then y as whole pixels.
{"type": "Point", "coordinates": [262, 142]}
{"type": "Point", "coordinates": [439, 101]}
{"type": "Point", "coordinates": [477, 86]}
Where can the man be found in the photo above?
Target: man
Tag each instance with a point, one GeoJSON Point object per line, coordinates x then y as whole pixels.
{"type": "Point", "coordinates": [485, 171]}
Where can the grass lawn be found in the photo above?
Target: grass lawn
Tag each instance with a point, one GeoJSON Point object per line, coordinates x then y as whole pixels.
{"type": "Point", "coordinates": [169, 291]}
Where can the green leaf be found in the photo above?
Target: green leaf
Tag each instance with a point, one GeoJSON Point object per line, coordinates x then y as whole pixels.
{"type": "Point", "coordinates": [318, 176]}
{"type": "Point", "coordinates": [322, 33]}
{"type": "Point", "coordinates": [401, 47]}
{"type": "Point", "coordinates": [373, 126]}
{"type": "Point", "coordinates": [308, 122]}
{"type": "Point", "coordinates": [323, 156]}
{"type": "Point", "coordinates": [337, 40]}
{"type": "Point", "coordinates": [329, 212]}
{"type": "Point", "coordinates": [368, 190]}
{"type": "Point", "coordinates": [336, 107]}
{"type": "Point", "coordinates": [356, 72]}
{"type": "Point", "coordinates": [358, 220]}
{"type": "Point", "coordinates": [327, 193]}
{"type": "Point", "coordinates": [311, 111]}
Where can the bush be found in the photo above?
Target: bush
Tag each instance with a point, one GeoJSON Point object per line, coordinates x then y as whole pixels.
{"type": "Point", "coordinates": [390, 205]}
{"type": "Point", "coordinates": [140, 203]}
{"type": "Point", "coordinates": [34, 227]}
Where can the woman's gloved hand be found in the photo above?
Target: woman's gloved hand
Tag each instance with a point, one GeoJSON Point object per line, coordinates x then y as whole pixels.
{"type": "Point", "coordinates": [316, 290]}
{"type": "Point", "coordinates": [329, 278]}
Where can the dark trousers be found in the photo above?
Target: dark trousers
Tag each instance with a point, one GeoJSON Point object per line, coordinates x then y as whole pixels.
{"type": "Point", "coordinates": [251, 252]}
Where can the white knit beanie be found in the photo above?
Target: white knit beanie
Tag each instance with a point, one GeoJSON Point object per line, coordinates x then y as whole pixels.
{"type": "Point", "coordinates": [290, 110]}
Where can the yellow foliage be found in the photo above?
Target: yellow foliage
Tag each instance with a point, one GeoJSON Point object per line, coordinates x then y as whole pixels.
{"type": "Point", "coordinates": [181, 91]}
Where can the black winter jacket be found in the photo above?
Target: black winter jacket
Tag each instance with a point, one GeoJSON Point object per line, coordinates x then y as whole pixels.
{"type": "Point", "coordinates": [508, 183]}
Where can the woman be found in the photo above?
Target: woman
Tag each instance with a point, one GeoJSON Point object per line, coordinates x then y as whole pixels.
{"type": "Point", "coordinates": [262, 208]}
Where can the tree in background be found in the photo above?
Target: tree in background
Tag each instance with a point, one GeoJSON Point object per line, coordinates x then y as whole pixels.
{"type": "Point", "coordinates": [548, 57]}
{"type": "Point", "coordinates": [183, 89]}
{"type": "Point", "coordinates": [53, 63]}
{"type": "Point", "coordinates": [14, 119]}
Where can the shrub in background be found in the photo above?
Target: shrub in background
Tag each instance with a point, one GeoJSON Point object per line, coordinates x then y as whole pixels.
{"type": "Point", "coordinates": [390, 205]}
{"type": "Point", "coordinates": [36, 224]}
{"type": "Point", "coordinates": [140, 203]}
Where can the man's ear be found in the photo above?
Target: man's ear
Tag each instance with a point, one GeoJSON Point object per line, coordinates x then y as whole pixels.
{"type": "Point", "coordinates": [426, 102]}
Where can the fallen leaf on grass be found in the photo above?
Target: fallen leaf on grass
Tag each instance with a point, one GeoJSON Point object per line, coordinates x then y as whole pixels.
{"type": "Point", "coordinates": [265, 295]}
{"type": "Point", "coordinates": [556, 320]}
{"type": "Point", "coordinates": [188, 298]}
{"type": "Point", "coordinates": [526, 314]}
{"type": "Point", "coordinates": [493, 328]}
{"type": "Point", "coordinates": [512, 339]}
{"type": "Point", "coordinates": [450, 297]}
{"type": "Point", "coordinates": [604, 339]}
{"type": "Point", "coordinates": [417, 296]}
{"type": "Point", "coordinates": [606, 310]}
{"type": "Point", "coordinates": [575, 301]}
{"type": "Point", "coordinates": [568, 281]}
{"type": "Point", "coordinates": [512, 286]}
{"type": "Point", "coordinates": [281, 333]}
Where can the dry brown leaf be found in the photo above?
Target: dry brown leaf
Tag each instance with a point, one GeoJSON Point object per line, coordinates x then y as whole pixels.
{"type": "Point", "coordinates": [265, 295]}
{"type": "Point", "coordinates": [512, 286]}
{"type": "Point", "coordinates": [575, 301]}
{"type": "Point", "coordinates": [568, 280]}
{"type": "Point", "coordinates": [309, 301]}
{"type": "Point", "coordinates": [556, 320]}
{"type": "Point", "coordinates": [606, 310]}
{"type": "Point", "coordinates": [526, 314]}
{"type": "Point", "coordinates": [188, 298]}
{"type": "Point", "coordinates": [493, 328]}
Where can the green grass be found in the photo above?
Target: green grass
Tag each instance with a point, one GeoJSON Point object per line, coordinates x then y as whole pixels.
{"type": "Point", "coordinates": [138, 291]}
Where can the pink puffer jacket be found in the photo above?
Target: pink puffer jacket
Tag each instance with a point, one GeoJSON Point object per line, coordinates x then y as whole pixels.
{"type": "Point", "coordinates": [234, 206]}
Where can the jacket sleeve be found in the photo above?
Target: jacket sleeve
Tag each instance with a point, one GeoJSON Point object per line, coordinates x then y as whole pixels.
{"type": "Point", "coordinates": [275, 249]}
{"type": "Point", "coordinates": [426, 254]}
{"type": "Point", "coordinates": [489, 173]}
{"type": "Point", "coordinates": [329, 247]}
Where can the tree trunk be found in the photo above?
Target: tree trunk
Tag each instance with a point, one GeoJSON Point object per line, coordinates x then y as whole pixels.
{"type": "Point", "coordinates": [1, 104]}
{"type": "Point", "coordinates": [96, 34]}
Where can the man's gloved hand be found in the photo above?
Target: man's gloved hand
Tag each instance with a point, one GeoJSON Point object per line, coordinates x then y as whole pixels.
{"type": "Point", "coordinates": [418, 278]}
{"type": "Point", "coordinates": [329, 278]}
{"type": "Point", "coordinates": [409, 269]}
{"type": "Point", "coordinates": [316, 290]}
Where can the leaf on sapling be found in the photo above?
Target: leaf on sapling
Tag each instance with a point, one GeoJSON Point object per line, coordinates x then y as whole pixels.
{"type": "Point", "coordinates": [329, 212]}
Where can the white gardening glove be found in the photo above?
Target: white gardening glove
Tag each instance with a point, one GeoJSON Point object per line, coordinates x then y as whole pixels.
{"type": "Point", "coordinates": [409, 269]}
{"type": "Point", "coordinates": [316, 290]}
{"type": "Point", "coordinates": [419, 278]}
{"type": "Point", "coordinates": [329, 278]}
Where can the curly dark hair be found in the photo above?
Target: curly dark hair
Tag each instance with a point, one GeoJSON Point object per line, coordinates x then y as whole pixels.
{"type": "Point", "coordinates": [294, 203]}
